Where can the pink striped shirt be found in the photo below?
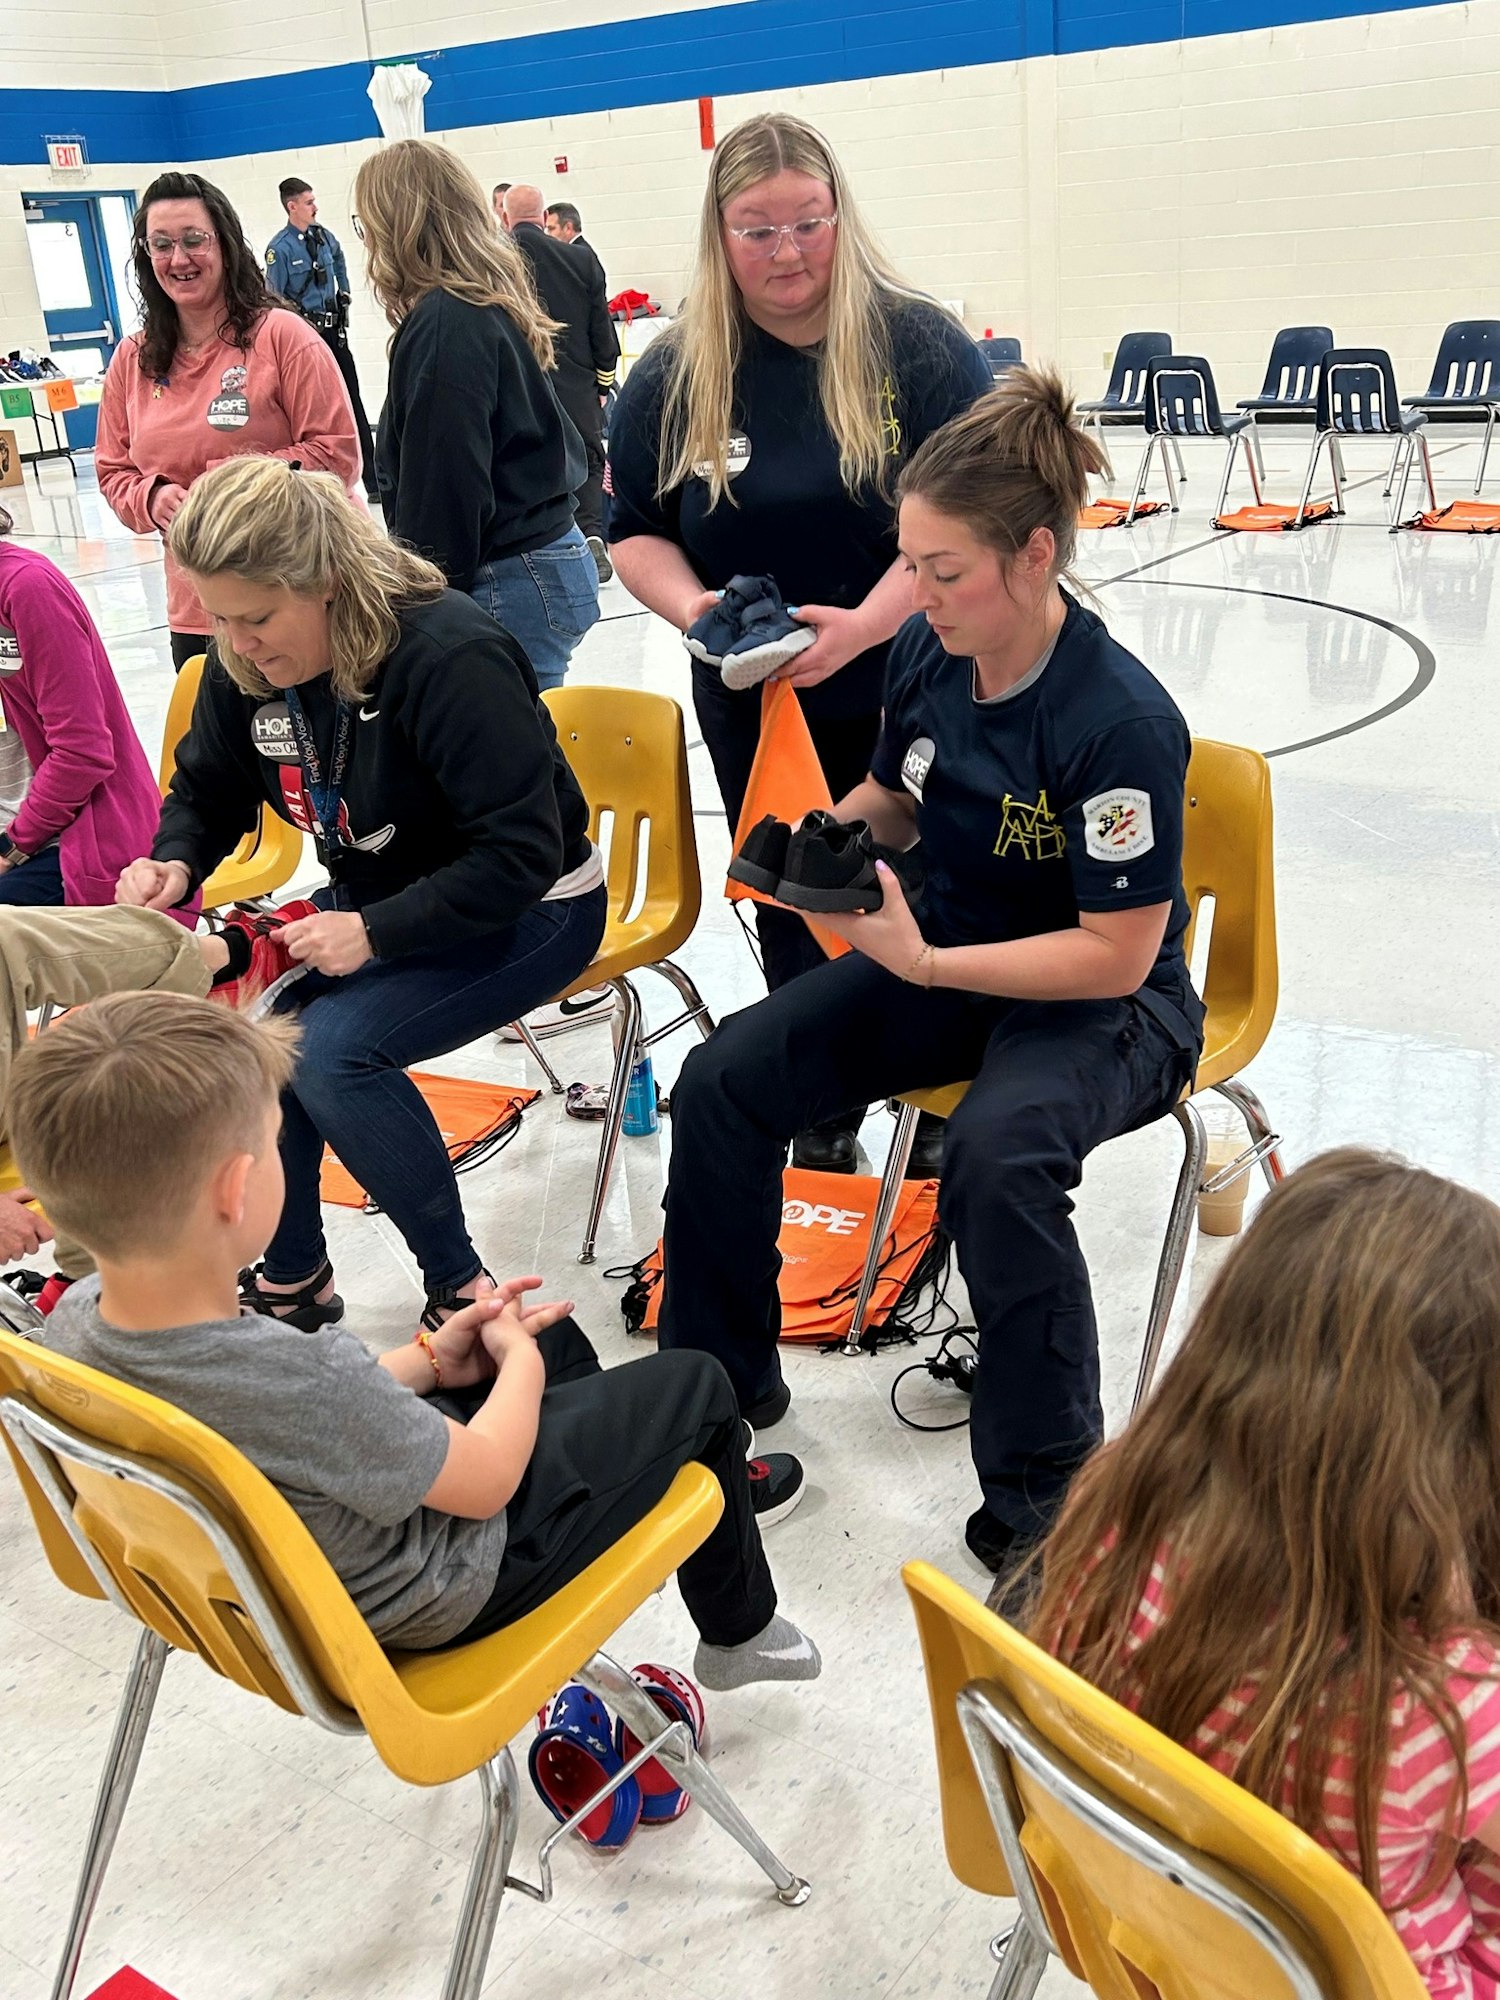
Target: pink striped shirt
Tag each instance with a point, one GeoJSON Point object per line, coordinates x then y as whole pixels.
{"type": "Point", "coordinates": [1452, 1929]}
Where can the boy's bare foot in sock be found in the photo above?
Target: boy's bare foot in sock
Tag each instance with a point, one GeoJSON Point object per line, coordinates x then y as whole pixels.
{"type": "Point", "coordinates": [779, 1653]}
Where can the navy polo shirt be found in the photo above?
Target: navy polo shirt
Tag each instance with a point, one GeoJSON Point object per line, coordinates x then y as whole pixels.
{"type": "Point", "coordinates": [791, 516]}
{"type": "Point", "coordinates": [1062, 795]}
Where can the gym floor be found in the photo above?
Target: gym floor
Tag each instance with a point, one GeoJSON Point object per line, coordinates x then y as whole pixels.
{"type": "Point", "coordinates": [261, 1857]}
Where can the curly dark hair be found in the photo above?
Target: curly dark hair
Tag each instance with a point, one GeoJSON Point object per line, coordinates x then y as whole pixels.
{"type": "Point", "coordinates": [246, 299]}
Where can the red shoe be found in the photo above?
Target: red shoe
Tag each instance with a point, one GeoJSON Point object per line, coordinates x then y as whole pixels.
{"type": "Point", "coordinates": [272, 968]}
{"type": "Point", "coordinates": [51, 1292]}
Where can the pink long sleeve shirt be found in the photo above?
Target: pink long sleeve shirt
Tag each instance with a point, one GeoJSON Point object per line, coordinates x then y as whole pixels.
{"type": "Point", "coordinates": [282, 397]}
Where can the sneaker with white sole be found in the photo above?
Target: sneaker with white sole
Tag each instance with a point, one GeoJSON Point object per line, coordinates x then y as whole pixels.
{"type": "Point", "coordinates": [777, 1483]}
{"type": "Point", "coordinates": [595, 1003]}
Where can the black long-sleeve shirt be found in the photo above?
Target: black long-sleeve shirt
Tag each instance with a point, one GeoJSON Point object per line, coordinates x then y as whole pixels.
{"type": "Point", "coordinates": [476, 458]}
{"type": "Point", "coordinates": [459, 809]}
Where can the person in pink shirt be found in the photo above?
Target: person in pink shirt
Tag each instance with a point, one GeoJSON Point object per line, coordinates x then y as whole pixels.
{"type": "Point", "coordinates": [1290, 1561]}
{"type": "Point", "coordinates": [77, 797]}
{"type": "Point", "coordinates": [219, 370]}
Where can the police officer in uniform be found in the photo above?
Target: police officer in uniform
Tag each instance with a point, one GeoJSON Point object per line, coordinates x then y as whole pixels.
{"type": "Point", "coordinates": [305, 266]}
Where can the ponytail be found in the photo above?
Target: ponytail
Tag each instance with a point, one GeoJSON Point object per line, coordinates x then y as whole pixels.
{"type": "Point", "coordinates": [1015, 462]}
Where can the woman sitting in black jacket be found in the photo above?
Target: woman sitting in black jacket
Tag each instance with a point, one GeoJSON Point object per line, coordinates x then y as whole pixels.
{"type": "Point", "coordinates": [397, 723]}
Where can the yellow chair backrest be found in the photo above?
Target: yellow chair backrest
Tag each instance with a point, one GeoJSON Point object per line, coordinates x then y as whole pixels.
{"type": "Point", "coordinates": [628, 751]}
{"type": "Point", "coordinates": [1227, 854]}
{"type": "Point", "coordinates": [268, 856]}
{"type": "Point", "coordinates": [1132, 1930]}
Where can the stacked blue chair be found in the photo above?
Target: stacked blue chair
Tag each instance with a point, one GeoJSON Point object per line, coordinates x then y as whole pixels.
{"type": "Point", "coordinates": [1002, 351]}
{"type": "Point", "coordinates": [1465, 385]}
{"type": "Point", "coordinates": [1357, 398]}
{"type": "Point", "coordinates": [1180, 401]}
{"type": "Point", "coordinates": [1289, 394]}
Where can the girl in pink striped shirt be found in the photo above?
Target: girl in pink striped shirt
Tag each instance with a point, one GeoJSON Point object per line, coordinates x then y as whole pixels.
{"type": "Point", "coordinates": [1290, 1562]}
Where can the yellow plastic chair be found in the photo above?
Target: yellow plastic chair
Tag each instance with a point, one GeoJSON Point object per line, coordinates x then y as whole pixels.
{"type": "Point", "coordinates": [267, 858]}
{"type": "Point", "coordinates": [1227, 856]}
{"type": "Point", "coordinates": [1151, 1875]}
{"type": "Point", "coordinates": [628, 751]}
{"type": "Point", "coordinates": [140, 1504]}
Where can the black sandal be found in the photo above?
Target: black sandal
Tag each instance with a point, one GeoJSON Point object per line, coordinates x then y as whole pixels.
{"type": "Point", "coordinates": [442, 1305]}
{"type": "Point", "coordinates": [307, 1312]}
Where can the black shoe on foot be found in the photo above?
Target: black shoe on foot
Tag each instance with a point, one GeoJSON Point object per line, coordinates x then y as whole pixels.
{"type": "Point", "coordinates": [824, 1150]}
{"type": "Point", "coordinates": [776, 1486]}
{"type": "Point", "coordinates": [1009, 1558]}
{"type": "Point", "coordinates": [762, 856]}
{"type": "Point", "coordinates": [769, 1410]}
{"type": "Point", "coordinates": [989, 1539]}
{"type": "Point", "coordinates": [926, 1160]}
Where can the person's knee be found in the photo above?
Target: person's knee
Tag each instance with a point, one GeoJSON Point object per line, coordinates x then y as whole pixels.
{"type": "Point", "coordinates": [694, 1385]}
{"type": "Point", "coordinates": [1002, 1156]}
{"type": "Point", "coordinates": [723, 1076]}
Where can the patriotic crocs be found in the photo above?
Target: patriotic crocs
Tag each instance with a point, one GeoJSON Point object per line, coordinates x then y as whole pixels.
{"type": "Point", "coordinates": [572, 1756]}
{"type": "Point", "coordinates": [662, 1798]}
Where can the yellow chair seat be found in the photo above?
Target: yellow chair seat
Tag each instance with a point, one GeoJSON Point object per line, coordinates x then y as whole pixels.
{"type": "Point", "coordinates": [270, 854]}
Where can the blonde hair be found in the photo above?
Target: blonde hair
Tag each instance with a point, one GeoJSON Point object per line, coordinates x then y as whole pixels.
{"type": "Point", "coordinates": [429, 227]}
{"type": "Point", "coordinates": [1015, 461]}
{"type": "Point", "coordinates": [122, 1108]}
{"type": "Point", "coordinates": [1319, 1474]}
{"type": "Point", "coordinates": [703, 348]}
{"type": "Point", "coordinates": [261, 519]}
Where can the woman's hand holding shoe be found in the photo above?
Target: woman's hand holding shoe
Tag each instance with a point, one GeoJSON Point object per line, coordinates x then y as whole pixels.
{"type": "Point", "coordinates": [334, 941]}
{"type": "Point", "coordinates": [890, 935]}
{"type": "Point", "coordinates": [842, 636]}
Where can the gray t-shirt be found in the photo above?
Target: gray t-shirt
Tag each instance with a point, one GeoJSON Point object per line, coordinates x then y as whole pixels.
{"type": "Point", "coordinates": [349, 1446]}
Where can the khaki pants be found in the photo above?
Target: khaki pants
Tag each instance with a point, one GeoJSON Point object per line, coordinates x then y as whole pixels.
{"type": "Point", "coordinates": [69, 956]}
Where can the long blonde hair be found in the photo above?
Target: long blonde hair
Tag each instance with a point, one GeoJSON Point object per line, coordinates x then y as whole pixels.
{"type": "Point", "coordinates": [1320, 1473]}
{"type": "Point", "coordinates": [428, 227]}
{"type": "Point", "coordinates": [703, 347]}
{"type": "Point", "coordinates": [260, 519]}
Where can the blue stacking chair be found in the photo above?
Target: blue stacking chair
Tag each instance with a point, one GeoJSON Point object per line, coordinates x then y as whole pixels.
{"type": "Point", "coordinates": [1124, 400]}
{"type": "Point", "coordinates": [1289, 394]}
{"type": "Point", "coordinates": [1357, 398]}
{"type": "Point", "coordinates": [1180, 401]}
{"type": "Point", "coordinates": [1002, 351]}
{"type": "Point", "coordinates": [1465, 385]}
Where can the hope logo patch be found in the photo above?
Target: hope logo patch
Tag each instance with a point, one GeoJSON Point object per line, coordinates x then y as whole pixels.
{"type": "Point", "coordinates": [917, 764]}
{"type": "Point", "coordinates": [1117, 825]}
{"type": "Point", "coordinates": [736, 458]}
{"type": "Point", "coordinates": [271, 732]}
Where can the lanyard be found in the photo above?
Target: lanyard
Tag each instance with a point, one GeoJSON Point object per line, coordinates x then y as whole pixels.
{"type": "Point", "coordinates": [326, 797]}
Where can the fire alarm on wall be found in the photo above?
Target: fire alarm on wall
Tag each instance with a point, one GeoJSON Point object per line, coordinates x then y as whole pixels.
{"type": "Point", "coordinates": [560, 164]}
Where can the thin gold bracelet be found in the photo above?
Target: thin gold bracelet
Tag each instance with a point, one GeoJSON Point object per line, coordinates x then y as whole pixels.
{"type": "Point", "coordinates": [928, 953]}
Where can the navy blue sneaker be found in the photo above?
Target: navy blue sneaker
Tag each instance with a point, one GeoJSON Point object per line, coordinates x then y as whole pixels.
{"type": "Point", "coordinates": [769, 639]}
{"type": "Point", "coordinates": [709, 638]}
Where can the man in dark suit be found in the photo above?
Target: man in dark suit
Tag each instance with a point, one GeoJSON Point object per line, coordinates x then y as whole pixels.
{"type": "Point", "coordinates": [571, 289]}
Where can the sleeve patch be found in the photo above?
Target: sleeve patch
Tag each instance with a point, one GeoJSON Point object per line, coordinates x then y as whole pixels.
{"type": "Point", "coordinates": [1117, 825]}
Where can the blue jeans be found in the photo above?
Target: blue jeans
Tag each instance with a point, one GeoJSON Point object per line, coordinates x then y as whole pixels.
{"type": "Point", "coordinates": [36, 882]}
{"type": "Point", "coordinates": [546, 600]}
{"type": "Point", "coordinates": [362, 1033]}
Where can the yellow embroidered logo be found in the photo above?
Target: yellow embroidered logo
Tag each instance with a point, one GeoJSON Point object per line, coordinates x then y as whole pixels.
{"type": "Point", "coordinates": [1030, 832]}
{"type": "Point", "coordinates": [890, 423]}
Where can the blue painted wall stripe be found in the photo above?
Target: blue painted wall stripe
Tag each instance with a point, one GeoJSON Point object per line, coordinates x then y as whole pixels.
{"type": "Point", "coordinates": [759, 45]}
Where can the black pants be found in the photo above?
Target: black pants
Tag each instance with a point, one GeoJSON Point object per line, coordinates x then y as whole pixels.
{"type": "Point", "coordinates": [1052, 1081]}
{"type": "Point", "coordinates": [186, 646]}
{"type": "Point", "coordinates": [338, 346]}
{"type": "Point", "coordinates": [581, 401]}
{"type": "Point", "coordinates": [609, 1444]}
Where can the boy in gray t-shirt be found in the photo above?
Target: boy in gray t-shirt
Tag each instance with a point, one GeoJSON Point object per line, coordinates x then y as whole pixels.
{"type": "Point", "coordinates": [454, 1483]}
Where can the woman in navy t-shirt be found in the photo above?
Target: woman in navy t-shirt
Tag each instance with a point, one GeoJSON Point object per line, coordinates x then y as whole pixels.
{"type": "Point", "coordinates": [761, 436]}
{"type": "Point", "coordinates": [1042, 768]}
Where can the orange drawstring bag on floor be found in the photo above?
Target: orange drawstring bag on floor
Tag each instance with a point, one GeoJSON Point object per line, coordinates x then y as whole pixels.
{"type": "Point", "coordinates": [1112, 513]}
{"type": "Point", "coordinates": [1460, 517]}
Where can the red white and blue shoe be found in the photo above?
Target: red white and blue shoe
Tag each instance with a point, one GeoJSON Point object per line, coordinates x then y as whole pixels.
{"type": "Point", "coordinates": [662, 1798]}
{"type": "Point", "coordinates": [572, 1756]}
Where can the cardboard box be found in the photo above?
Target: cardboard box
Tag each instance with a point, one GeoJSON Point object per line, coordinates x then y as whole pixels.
{"type": "Point", "coordinates": [12, 472]}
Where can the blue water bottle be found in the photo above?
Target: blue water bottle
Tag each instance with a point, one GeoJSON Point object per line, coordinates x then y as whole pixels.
{"type": "Point", "coordinates": [640, 1100]}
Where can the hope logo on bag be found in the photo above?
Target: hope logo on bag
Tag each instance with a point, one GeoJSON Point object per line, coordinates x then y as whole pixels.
{"type": "Point", "coordinates": [817, 1215]}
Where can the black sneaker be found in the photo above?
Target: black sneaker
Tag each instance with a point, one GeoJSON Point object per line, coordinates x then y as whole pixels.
{"type": "Point", "coordinates": [770, 1409]}
{"type": "Point", "coordinates": [776, 1486]}
{"type": "Point", "coordinates": [762, 857]}
{"type": "Point", "coordinates": [830, 868]}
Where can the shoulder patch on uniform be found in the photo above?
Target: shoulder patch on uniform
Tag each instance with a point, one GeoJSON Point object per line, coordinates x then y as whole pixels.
{"type": "Point", "coordinates": [270, 256]}
{"type": "Point", "coordinates": [1117, 825]}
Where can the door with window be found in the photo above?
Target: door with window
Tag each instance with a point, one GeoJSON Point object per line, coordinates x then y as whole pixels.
{"type": "Point", "coordinates": [80, 247]}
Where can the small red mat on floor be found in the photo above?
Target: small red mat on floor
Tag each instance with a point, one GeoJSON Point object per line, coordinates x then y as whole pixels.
{"type": "Point", "coordinates": [128, 1984]}
{"type": "Point", "coordinates": [1462, 517]}
{"type": "Point", "coordinates": [1268, 520]}
{"type": "Point", "coordinates": [472, 1117]}
{"type": "Point", "coordinates": [1111, 513]}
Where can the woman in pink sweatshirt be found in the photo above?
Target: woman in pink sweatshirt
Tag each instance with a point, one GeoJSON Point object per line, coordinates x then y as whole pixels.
{"type": "Point", "coordinates": [77, 798]}
{"type": "Point", "coordinates": [217, 371]}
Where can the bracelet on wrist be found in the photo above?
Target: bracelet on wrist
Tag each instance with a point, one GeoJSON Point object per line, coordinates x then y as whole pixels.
{"type": "Point", "coordinates": [922, 967]}
{"type": "Point", "coordinates": [423, 1339]}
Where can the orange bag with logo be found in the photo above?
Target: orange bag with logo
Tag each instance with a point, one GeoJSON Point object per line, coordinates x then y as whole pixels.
{"type": "Point", "coordinates": [825, 1236]}
{"type": "Point", "coordinates": [1460, 517]}
{"type": "Point", "coordinates": [786, 780]}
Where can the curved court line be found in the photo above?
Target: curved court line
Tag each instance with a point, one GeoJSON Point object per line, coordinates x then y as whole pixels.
{"type": "Point", "coordinates": [1420, 681]}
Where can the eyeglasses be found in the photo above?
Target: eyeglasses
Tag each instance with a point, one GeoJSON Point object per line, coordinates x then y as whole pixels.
{"type": "Point", "coordinates": [190, 240]}
{"type": "Point", "coordinates": [359, 227]}
{"type": "Point", "coordinates": [765, 240]}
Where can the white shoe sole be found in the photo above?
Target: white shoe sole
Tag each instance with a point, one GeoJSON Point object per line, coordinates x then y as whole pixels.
{"type": "Point", "coordinates": [581, 1014]}
{"type": "Point", "coordinates": [758, 663]}
{"type": "Point", "coordinates": [779, 1512]}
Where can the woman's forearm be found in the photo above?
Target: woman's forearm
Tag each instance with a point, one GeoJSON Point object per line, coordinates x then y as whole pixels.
{"type": "Point", "coordinates": [658, 575]}
{"type": "Point", "coordinates": [1075, 964]}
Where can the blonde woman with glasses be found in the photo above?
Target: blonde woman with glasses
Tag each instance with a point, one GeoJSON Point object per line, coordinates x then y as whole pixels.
{"type": "Point", "coordinates": [761, 435]}
{"type": "Point", "coordinates": [477, 463]}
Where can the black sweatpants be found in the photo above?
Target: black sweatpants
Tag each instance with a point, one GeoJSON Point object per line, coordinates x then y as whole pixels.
{"type": "Point", "coordinates": [338, 346]}
{"type": "Point", "coordinates": [1053, 1080]}
{"type": "Point", "coordinates": [609, 1444]}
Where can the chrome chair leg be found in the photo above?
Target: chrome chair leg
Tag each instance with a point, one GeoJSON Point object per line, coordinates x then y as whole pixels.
{"type": "Point", "coordinates": [1484, 449]}
{"type": "Point", "coordinates": [885, 1208]}
{"type": "Point", "coordinates": [644, 1719]}
{"type": "Point", "coordinates": [1234, 445]}
{"type": "Point", "coordinates": [1170, 476]}
{"type": "Point", "coordinates": [1421, 443]}
{"type": "Point", "coordinates": [1257, 471]}
{"type": "Point", "coordinates": [132, 1720]}
{"type": "Point", "coordinates": [1021, 1966]}
{"type": "Point", "coordinates": [1257, 446]}
{"type": "Point", "coordinates": [533, 1049]}
{"type": "Point", "coordinates": [1398, 505]}
{"type": "Point", "coordinates": [1250, 1108]}
{"type": "Point", "coordinates": [1390, 477]}
{"type": "Point", "coordinates": [1177, 454]}
{"type": "Point", "coordinates": [1141, 477]}
{"type": "Point", "coordinates": [486, 1884]}
{"type": "Point", "coordinates": [1319, 439]}
{"type": "Point", "coordinates": [1336, 467]}
{"type": "Point", "coordinates": [1336, 454]}
{"type": "Point", "coordinates": [47, 1013]}
{"type": "Point", "coordinates": [1174, 1248]}
{"type": "Point", "coordinates": [691, 998]}
{"type": "Point", "coordinates": [627, 1047]}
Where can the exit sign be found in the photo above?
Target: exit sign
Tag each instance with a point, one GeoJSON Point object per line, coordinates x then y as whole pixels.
{"type": "Point", "coordinates": [67, 155]}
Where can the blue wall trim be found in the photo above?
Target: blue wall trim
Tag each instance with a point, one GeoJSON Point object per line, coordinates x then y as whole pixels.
{"type": "Point", "coordinates": [711, 52]}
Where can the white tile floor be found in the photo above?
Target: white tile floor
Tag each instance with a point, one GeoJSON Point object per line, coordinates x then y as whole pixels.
{"type": "Point", "coordinates": [261, 1858]}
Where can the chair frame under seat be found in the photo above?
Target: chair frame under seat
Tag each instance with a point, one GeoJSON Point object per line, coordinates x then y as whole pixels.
{"type": "Point", "coordinates": [1408, 432]}
{"type": "Point", "coordinates": [1465, 386]}
{"type": "Point", "coordinates": [1161, 430]}
{"type": "Point", "coordinates": [41, 1442]}
{"type": "Point", "coordinates": [997, 1735]}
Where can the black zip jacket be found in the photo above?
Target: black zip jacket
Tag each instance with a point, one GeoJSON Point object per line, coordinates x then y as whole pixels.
{"type": "Point", "coordinates": [571, 289]}
{"type": "Point", "coordinates": [459, 809]}
{"type": "Point", "coordinates": [476, 459]}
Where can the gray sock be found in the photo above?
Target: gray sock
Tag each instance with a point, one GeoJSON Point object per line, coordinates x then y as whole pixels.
{"type": "Point", "coordinates": [780, 1653]}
